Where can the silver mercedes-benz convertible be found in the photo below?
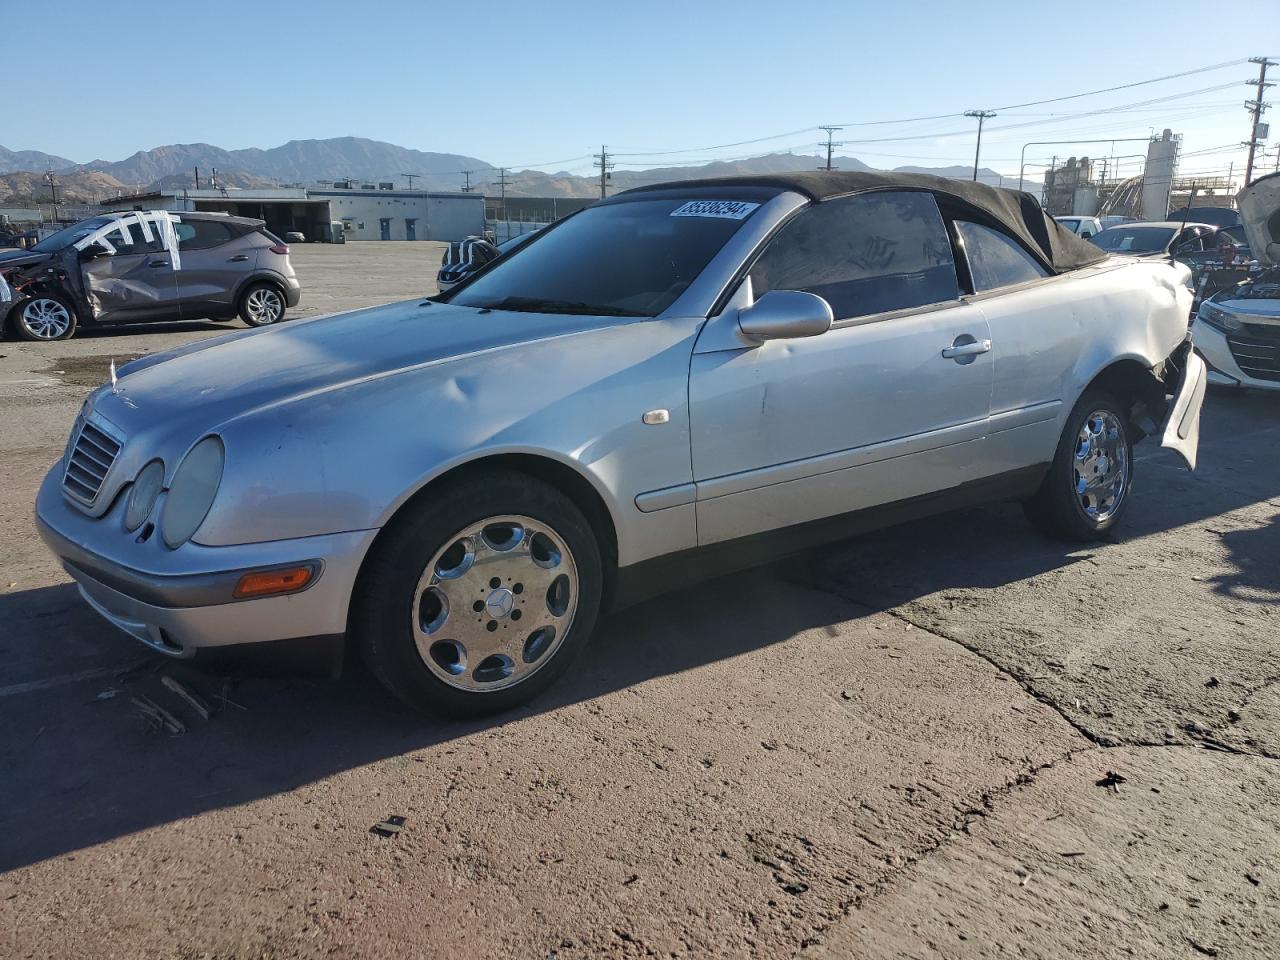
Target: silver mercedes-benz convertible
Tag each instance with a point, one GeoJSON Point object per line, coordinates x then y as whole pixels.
{"type": "Point", "coordinates": [676, 381]}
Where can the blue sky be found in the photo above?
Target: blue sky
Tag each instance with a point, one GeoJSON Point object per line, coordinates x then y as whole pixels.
{"type": "Point", "coordinates": [537, 83]}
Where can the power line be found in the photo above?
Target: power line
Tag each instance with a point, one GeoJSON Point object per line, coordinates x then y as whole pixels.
{"type": "Point", "coordinates": [721, 146]}
{"type": "Point", "coordinates": [947, 116]}
{"type": "Point", "coordinates": [1124, 86]}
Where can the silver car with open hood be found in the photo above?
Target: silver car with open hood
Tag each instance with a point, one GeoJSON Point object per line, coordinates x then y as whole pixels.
{"type": "Point", "coordinates": [676, 381]}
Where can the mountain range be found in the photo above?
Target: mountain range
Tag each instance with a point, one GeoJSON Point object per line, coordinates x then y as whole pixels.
{"type": "Point", "coordinates": [308, 161]}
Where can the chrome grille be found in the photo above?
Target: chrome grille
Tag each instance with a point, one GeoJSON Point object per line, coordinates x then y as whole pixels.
{"type": "Point", "coordinates": [93, 450]}
{"type": "Point", "coordinates": [1258, 357]}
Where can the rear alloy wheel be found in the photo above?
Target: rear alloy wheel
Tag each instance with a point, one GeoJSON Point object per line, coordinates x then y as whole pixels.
{"type": "Point", "coordinates": [1087, 488]}
{"type": "Point", "coordinates": [44, 318]}
{"type": "Point", "coordinates": [262, 305]}
{"type": "Point", "coordinates": [477, 598]}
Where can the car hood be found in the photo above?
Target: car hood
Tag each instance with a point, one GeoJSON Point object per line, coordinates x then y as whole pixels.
{"type": "Point", "coordinates": [1259, 205]}
{"type": "Point", "coordinates": [223, 378]}
{"type": "Point", "coordinates": [20, 258]}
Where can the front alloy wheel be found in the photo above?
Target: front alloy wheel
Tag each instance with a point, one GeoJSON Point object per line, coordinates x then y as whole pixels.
{"type": "Point", "coordinates": [495, 603]}
{"type": "Point", "coordinates": [479, 593]}
{"type": "Point", "coordinates": [44, 318]}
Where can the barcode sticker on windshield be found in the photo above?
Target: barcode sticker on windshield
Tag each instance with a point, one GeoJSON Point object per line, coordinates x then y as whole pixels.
{"type": "Point", "coordinates": [723, 209]}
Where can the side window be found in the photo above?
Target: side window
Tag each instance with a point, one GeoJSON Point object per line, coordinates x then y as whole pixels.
{"type": "Point", "coordinates": [136, 243]}
{"type": "Point", "coordinates": [865, 254]}
{"type": "Point", "coordinates": [202, 234]}
{"type": "Point", "coordinates": [996, 260]}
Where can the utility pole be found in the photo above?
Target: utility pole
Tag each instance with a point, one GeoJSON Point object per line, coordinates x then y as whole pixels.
{"type": "Point", "coordinates": [197, 178]}
{"type": "Point", "coordinates": [831, 143]}
{"type": "Point", "coordinates": [411, 177]}
{"type": "Point", "coordinates": [982, 115]}
{"type": "Point", "coordinates": [53, 190]}
{"type": "Point", "coordinates": [605, 164]}
{"type": "Point", "coordinates": [503, 180]}
{"type": "Point", "coordinates": [466, 187]}
{"type": "Point", "coordinates": [1255, 107]}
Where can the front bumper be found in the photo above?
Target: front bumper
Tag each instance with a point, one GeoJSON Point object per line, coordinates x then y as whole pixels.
{"type": "Point", "coordinates": [1224, 371]}
{"type": "Point", "coordinates": [177, 601]}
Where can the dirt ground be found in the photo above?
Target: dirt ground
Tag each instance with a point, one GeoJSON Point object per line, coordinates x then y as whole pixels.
{"type": "Point", "coordinates": [950, 739]}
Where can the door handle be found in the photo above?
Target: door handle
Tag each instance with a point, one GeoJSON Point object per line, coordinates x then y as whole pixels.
{"type": "Point", "coordinates": [238, 258]}
{"type": "Point", "coordinates": [969, 348]}
{"type": "Point", "coordinates": [158, 263]}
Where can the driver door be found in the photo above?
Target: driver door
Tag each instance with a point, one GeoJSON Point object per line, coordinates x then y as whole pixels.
{"type": "Point", "coordinates": [882, 407]}
{"type": "Point", "coordinates": [135, 283]}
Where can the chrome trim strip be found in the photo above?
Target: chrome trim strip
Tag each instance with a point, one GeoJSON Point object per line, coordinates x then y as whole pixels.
{"type": "Point", "coordinates": [667, 497]}
{"type": "Point", "coordinates": [723, 486]}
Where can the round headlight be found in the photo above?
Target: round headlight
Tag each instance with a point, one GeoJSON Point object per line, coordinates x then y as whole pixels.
{"type": "Point", "coordinates": [191, 494]}
{"type": "Point", "coordinates": [143, 495]}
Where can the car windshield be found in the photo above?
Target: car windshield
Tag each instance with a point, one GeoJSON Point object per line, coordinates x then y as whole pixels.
{"type": "Point", "coordinates": [1069, 223]}
{"type": "Point", "coordinates": [627, 259]}
{"type": "Point", "coordinates": [69, 235]}
{"type": "Point", "coordinates": [1129, 239]}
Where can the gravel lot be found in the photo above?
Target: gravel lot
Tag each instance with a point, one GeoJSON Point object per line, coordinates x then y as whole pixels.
{"type": "Point", "coordinates": [950, 739]}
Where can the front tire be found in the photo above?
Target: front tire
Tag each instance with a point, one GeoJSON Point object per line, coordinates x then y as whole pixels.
{"type": "Point", "coordinates": [478, 597]}
{"type": "Point", "coordinates": [43, 319]}
{"type": "Point", "coordinates": [1087, 489]}
{"type": "Point", "coordinates": [262, 305]}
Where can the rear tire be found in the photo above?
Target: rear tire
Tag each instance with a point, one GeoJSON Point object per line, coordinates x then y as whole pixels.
{"type": "Point", "coordinates": [1087, 489]}
{"type": "Point", "coordinates": [262, 305]}
{"type": "Point", "coordinates": [43, 319]}
{"type": "Point", "coordinates": [479, 595]}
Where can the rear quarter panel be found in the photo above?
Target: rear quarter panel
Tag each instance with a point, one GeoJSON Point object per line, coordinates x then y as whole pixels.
{"type": "Point", "coordinates": [1135, 310]}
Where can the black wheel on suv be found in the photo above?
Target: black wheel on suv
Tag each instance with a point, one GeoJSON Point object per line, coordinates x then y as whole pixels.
{"type": "Point", "coordinates": [1087, 488]}
{"type": "Point", "coordinates": [478, 597]}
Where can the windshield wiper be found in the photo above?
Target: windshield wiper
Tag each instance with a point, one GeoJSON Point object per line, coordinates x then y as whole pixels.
{"type": "Point", "coordinates": [576, 307]}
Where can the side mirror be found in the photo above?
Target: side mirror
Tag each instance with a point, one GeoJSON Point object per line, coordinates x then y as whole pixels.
{"type": "Point", "coordinates": [92, 252]}
{"type": "Point", "coordinates": [785, 314]}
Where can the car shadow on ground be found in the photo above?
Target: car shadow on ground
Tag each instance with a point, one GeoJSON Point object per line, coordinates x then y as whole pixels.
{"type": "Point", "coordinates": [78, 770]}
{"type": "Point", "coordinates": [159, 326]}
{"type": "Point", "coordinates": [79, 766]}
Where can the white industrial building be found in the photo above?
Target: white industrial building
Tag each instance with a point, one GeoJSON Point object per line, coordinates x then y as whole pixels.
{"type": "Point", "coordinates": [330, 213]}
{"type": "Point", "coordinates": [384, 213]}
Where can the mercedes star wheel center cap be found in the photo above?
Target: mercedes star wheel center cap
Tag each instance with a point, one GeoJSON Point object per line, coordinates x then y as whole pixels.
{"type": "Point", "coordinates": [500, 603]}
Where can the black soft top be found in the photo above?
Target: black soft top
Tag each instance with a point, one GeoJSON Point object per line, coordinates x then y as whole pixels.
{"type": "Point", "coordinates": [1015, 210]}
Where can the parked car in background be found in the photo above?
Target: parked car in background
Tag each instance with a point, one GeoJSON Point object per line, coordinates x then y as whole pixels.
{"type": "Point", "coordinates": [1114, 220]}
{"type": "Point", "coordinates": [677, 380]}
{"type": "Point", "coordinates": [466, 257]}
{"type": "Point", "coordinates": [135, 267]}
{"type": "Point", "coordinates": [1082, 227]}
{"type": "Point", "coordinates": [1238, 329]}
{"type": "Point", "coordinates": [1217, 216]}
{"type": "Point", "coordinates": [295, 236]}
{"type": "Point", "coordinates": [1160, 238]}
